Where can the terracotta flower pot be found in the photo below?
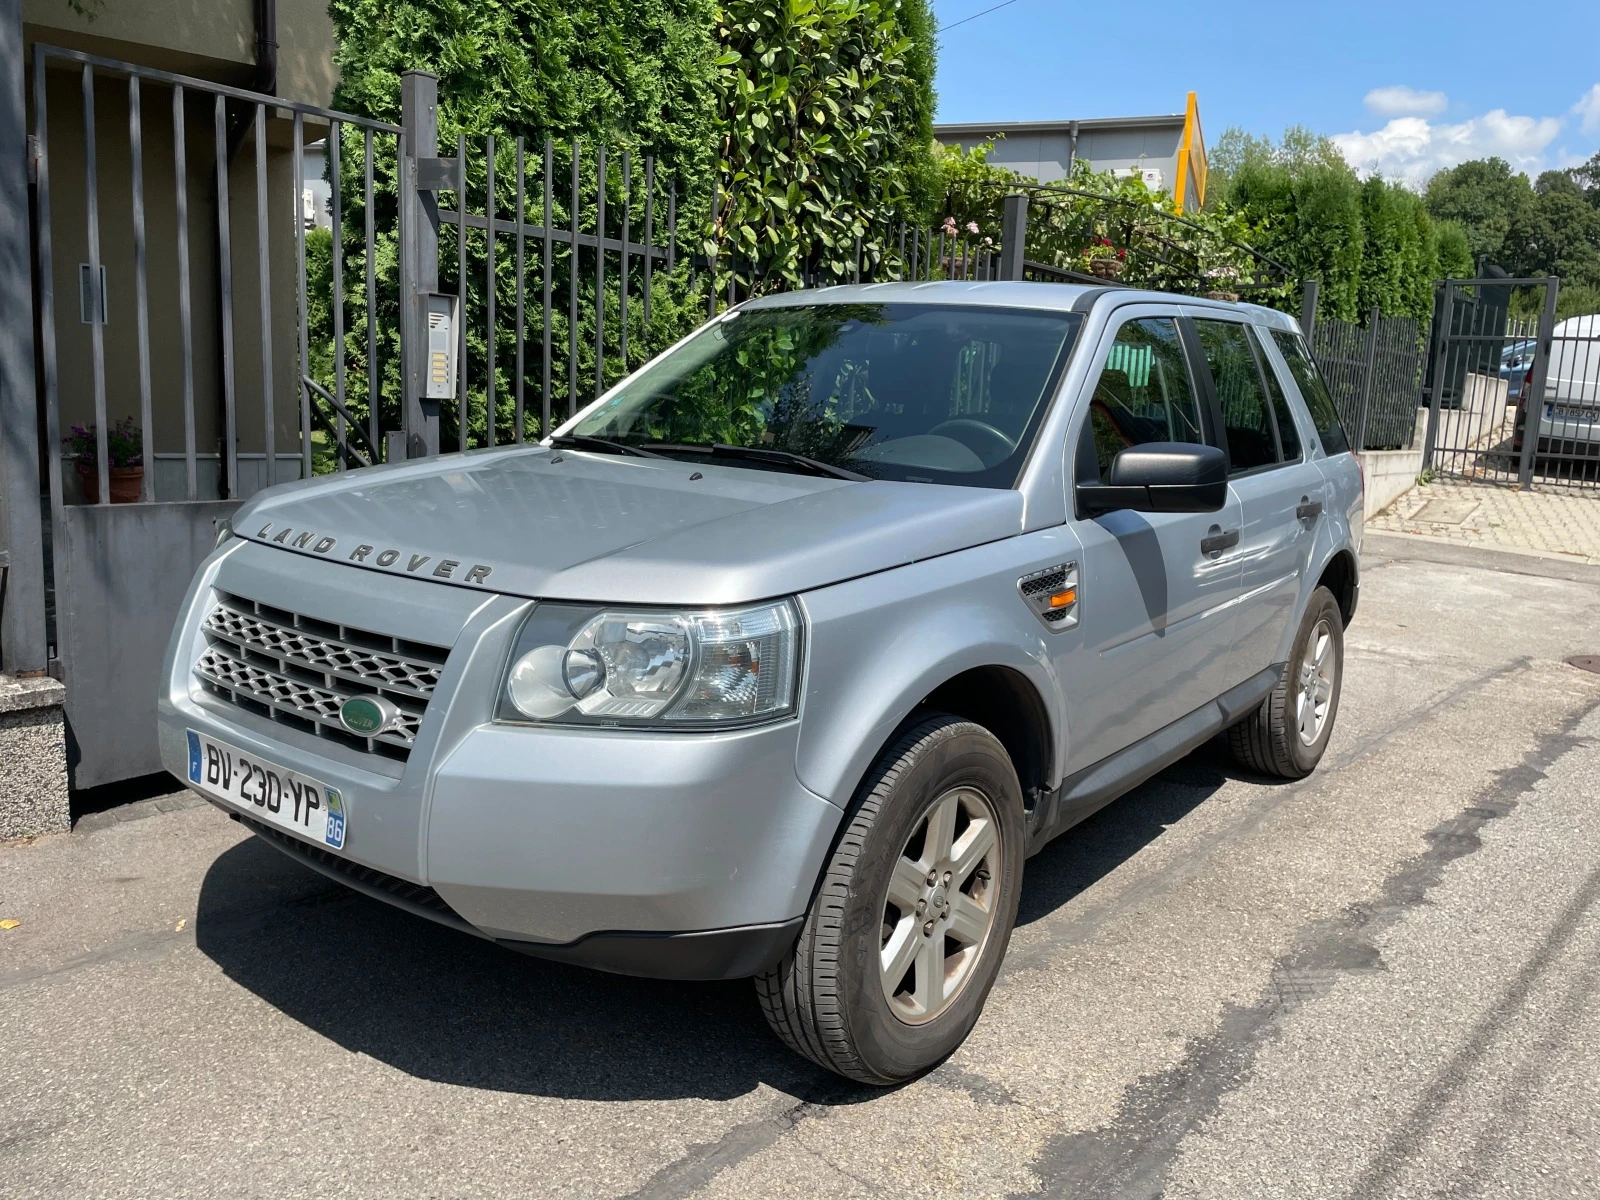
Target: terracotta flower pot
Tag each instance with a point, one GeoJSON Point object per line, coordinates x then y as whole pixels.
{"type": "Point", "coordinates": [126, 483]}
{"type": "Point", "coordinates": [1106, 268]}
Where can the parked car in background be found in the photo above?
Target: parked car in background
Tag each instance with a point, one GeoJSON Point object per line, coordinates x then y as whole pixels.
{"type": "Point", "coordinates": [1569, 410]}
{"type": "Point", "coordinates": [1515, 360]}
{"type": "Point", "coordinates": [781, 657]}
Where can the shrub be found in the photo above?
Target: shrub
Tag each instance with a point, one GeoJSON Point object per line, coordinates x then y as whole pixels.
{"type": "Point", "coordinates": [825, 131]}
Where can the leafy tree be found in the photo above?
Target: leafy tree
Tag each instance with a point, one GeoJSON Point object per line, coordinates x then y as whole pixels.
{"type": "Point", "coordinates": [1557, 232]}
{"type": "Point", "coordinates": [1455, 251]}
{"type": "Point", "coordinates": [1298, 150]}
{"type": "Point", "coordinates": [1485, 198]}
{"type": "Point", "coordinates": [1587, 177]}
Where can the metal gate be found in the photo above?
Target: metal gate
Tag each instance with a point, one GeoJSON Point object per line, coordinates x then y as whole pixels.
{"type": "Point", "coordinates": [170, 268]}
{"type": "Point", "coordinates": [1512, 401]}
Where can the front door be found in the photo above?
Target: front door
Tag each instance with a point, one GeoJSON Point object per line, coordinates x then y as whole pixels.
{"type": "Point", "coordinates": [1155, 588]}
{"type": "Point", "coordinates": [1281, 493]}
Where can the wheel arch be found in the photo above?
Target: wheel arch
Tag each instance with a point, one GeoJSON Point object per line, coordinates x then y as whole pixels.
{"type": "Point", "coordinates": [1006, 703]}
{"type": "Point", "coordinates": [996, 687]}
{"type": "Point", "coordinates": [1342, 576]}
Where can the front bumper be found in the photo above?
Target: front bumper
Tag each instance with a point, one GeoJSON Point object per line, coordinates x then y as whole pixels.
{"type": "Point", "coordinates": [680, 855]}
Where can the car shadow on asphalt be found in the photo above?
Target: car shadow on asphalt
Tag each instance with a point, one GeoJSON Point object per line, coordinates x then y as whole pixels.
{"type": "Point", "coordinates": [438, 1004]}
{"type": "Point", "coordinates": [1094, 848]}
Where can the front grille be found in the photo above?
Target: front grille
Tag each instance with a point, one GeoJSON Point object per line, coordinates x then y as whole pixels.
{"type": "Point", "coordinates": [298, 671]}
{"type": "Point", "coordinates": [401, 889]}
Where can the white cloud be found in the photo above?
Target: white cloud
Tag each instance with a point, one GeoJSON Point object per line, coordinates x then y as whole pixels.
{"type": "Point", "coordinates": [1410, 149]}
{"type": "Point", "coordinates": [1401, 101]}
{"type": "Point", "coordinates": [1587, 110]}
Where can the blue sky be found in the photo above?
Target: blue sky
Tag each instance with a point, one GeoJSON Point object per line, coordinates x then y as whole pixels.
{"type": "Point", "coordinates": [1405, 87]}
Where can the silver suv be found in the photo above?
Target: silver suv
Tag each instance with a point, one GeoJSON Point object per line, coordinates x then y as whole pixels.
{"type": "Point", "coordinates": [780, 658]}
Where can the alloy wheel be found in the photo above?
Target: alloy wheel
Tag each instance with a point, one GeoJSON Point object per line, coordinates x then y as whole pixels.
{"type": "Point", "coordinates": [1314, 696]}
{"type": "Point", "coordinates": [941, 906]}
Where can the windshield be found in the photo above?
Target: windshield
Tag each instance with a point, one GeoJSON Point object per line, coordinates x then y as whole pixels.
{"type": "Point", "coordinates": [921, 392]}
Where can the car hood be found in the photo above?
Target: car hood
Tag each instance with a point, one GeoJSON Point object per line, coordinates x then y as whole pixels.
{"type": "Point", "coordinates": [575, 526]}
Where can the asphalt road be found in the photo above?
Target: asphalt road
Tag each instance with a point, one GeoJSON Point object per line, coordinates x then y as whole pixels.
{"type": "Point", "coordinates": [1376, 982]}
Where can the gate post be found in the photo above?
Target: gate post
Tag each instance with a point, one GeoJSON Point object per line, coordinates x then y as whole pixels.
{"type": "Point", "coordinates": [1013, 236]}
{"type": "Point", "coordinates": [1441, 329]}
{"type": "Point", "coordinates": [419, 260]}
{"type": "Point", "coordinates": [22, 619]}
{"type": "Point", "coordinates": [1308, 309]}
{"type": "Point", "coordinates": [1366, 382]}
{"type": "Point", "coordinates": [1532, 400]}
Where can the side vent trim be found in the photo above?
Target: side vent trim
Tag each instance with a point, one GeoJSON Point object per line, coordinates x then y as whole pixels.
{"type": "Point", "coordinates": [1052, 594]}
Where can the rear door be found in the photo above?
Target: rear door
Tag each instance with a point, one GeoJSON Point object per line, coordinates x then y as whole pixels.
{"type": "Point", "coordinates": [1280, 492]}
{"type": "Point", "coordinates": [1155, 588]}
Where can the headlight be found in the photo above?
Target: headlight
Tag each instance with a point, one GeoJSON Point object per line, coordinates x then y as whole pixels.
{"type": "Point", "coordinates": [578, 665]}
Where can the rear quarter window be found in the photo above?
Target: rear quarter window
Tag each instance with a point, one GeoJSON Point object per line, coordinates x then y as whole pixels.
{"type": "Point", "coordinates": [1324, 416]}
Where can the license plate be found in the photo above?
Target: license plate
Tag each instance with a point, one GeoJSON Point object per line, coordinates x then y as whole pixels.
{"type": "Point", "coordinates": [269, 793]}
{"type": "Point", "coordinates": [1569, 413]}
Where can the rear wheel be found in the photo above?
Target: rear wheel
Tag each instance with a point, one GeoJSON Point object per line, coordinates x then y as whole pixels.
{"type": "Point", "coordinates": [1288, 732]}
{"type": "Point", "coordinates": [907, 931]}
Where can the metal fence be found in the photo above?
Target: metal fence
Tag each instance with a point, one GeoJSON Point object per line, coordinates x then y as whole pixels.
{"type": "Point", "coordinates": [590, 278]}
{"type": "Point", "coordinates": [1375, 377]}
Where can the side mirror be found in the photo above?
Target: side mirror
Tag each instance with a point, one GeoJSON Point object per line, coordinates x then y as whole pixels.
{"type": "Point", "coordinates": [1161, 477]}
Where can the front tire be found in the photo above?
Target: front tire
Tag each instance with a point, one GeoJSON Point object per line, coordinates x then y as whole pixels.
{"type": "Point", "coordinates": [1288, 733]}
{"type": "Point", "coordinates": [907, 932]}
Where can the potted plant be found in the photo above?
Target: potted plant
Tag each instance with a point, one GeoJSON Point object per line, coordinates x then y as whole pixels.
{"type": "Point", "coordinates": [125, 454]}
{"type": "Point", "coordinates": [1104, 260]}
{"type": "Point", "coordinates": [1223, 281]}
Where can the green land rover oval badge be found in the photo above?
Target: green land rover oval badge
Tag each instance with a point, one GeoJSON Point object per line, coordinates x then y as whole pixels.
{"type": "Point", "coordinates": [368, 716]}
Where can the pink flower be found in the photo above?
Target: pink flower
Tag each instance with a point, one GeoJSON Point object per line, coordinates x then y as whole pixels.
{"type": "Point", "coordinates": [972, 227]}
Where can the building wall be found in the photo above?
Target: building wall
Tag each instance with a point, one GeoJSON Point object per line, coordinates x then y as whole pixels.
{"type": "Point", "coordinates": [1046, 156]}
{"type": "Point", "coordinates": [214, 39]}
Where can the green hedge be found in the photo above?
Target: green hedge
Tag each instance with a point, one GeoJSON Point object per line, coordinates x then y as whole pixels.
{"type": "Point", "coordinates": [814, 117]}
{"type": "Point", "coordinates": [824, 134]}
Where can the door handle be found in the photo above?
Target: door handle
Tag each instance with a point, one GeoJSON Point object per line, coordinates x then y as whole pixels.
{"type": "Point", "coordinates": [1216, 543]}
{"type": "Point", "coordinates": [1308, 509]}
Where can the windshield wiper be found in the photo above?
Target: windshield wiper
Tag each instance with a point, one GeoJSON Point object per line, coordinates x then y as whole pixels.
{"type": "Point", "coordinates": [766, 454]}
{"type": "Point", "coordinates": [582, 441]}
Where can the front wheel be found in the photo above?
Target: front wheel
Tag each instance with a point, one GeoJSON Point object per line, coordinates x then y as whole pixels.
{"type": "Point", "coordinates": [906, 934]}
{"type": "Point", "coordinates": [1288, 732]}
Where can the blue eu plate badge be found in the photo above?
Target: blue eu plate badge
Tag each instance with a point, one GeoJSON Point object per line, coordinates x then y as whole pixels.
{"type": "Point", "coordinates": [335, 835]}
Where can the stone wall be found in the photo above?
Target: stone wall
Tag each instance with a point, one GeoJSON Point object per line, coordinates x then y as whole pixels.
{"type": "Point", "coordinates": [33, 758]}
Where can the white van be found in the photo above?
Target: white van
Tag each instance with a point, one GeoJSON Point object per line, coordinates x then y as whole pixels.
{"type": "Point", "coordinates": [1569, 420]}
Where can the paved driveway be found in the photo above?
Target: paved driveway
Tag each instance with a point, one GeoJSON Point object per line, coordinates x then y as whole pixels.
{"type": "Point", "coordinates": [1376, 982]}
{"type": "Point", "coordinates": [1553, 521]}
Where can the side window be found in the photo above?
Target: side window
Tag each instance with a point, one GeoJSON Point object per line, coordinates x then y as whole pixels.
{"type": "Point", "coordinates": [1313, 390]}
{"type": "Point", "coordinates": [1245, 417]}
{"type": "Point", "coordinates": [1144, 393]}
{"type": "Point", "coordinates": [1288, 432]}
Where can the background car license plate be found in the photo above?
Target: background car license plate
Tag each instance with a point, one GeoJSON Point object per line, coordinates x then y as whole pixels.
{"type": "Point", "coordinates": [269, 793]}
{"type": "Point", "coordinates": [1570, 413]}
